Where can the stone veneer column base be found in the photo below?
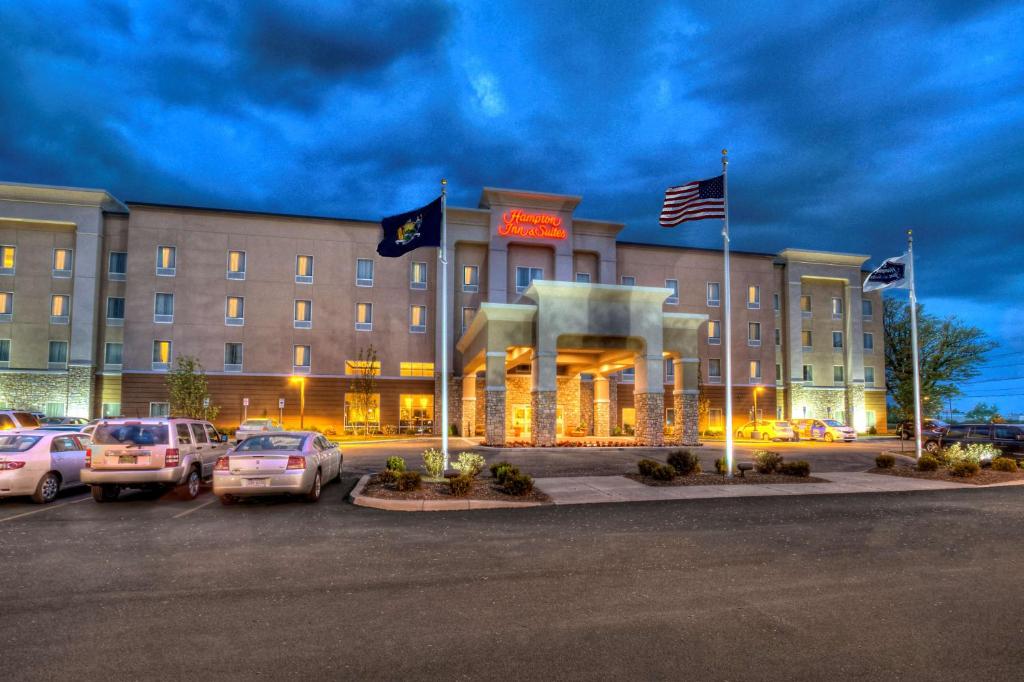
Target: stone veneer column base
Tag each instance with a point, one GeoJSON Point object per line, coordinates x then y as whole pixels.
{"type": "Point", "coordinates": [494, 417]}
{"type": "Point", "coordinates": [650, 418]}
{"type": "Point", "coordinates": [690, 412]}
{"type": "Point", "coordinates": [467, 427]}
{"type": "Point", "coordinates": [544, 415]}
{"type": "Point", "coordinates": [602, 418]}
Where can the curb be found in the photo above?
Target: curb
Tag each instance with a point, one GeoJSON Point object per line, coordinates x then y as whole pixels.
{"type": "Point", "coordinates": [429, 505]}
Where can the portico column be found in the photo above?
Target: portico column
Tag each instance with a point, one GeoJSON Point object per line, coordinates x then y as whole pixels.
{"type": "Point", "coordinates": [494, 399]}
{"type": "Point", "coordinates": [649, 399]}
{"type": "Point", "coordinates": [544, 398]}
{"type": "Point", "coordinates": [686, 400]}
{"type": "Point", "coordinates": [602, 408]}
{"type": "Point", "coordinates": [468, 425]}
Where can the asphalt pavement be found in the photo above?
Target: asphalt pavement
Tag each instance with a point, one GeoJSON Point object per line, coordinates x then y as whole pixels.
{"type": "Point", "coordinates": [874, 586]}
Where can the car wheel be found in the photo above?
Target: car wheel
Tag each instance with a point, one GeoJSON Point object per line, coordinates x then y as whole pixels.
{"type": "Point", "coordinates": [228, 500]}
{"type": "Point", "coordinates": [314, 492]}
{"type": "Point", "coordinates": [931, 446]}
{"type": "Point", "coordinates": [829, 438]}
{"type": "Point", "coordinates": [105, 493]}
{"type": "Point", "coordinates": [46, 491]}
{"type": "Point", "coordinates": [189, 490]}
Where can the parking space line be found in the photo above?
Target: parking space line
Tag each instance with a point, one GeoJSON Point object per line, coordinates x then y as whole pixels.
{"type": "Point", "coordinates": [46, 508]}
{"type": "Point", "coordinates": [189, 511]}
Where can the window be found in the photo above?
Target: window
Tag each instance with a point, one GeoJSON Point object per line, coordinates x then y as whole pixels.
{"type": "Point", "coordinates": [418, 275]}
{"type": "Point", "coordinates": [5, 352]}
{"type": "Point", "coordinates": [583, 277]}
{"type": "Point", "coordinates": [670, 371]}
{"type": "Point", "coordinates": [417, 319]}
{"type": "Point", "coordinates": [7, 259]}
{"type": "Point", "coordinates": [715, 370]}
{"type": "Point", "coordinates": [778, 336]}
{"type": "Point", "coordinates": [415, 412]}
{"type": "Point", "coordinates": [304, 269]}
{"type": "Point", "coordinates": [6, 305]}
{"type": "Point", "coordinates": [837, 340]}
{"type": "Point", "coordinates": [866, 310]}
{"type": "Point", "coordinates": [775, 302]}
{"type": "Point", "coordinates": [869, 341]}
{"type": "Point", "coordinates": [714, 332]}
{"type": "Point", "coordinates": [778, 373]}
{"type": "Point", "coordinates": [870, 417]}
{"type": "Point", "coordinates": [470, 278]}
{"type": "Point", "coordinates": [117, 266]}
{"type": "Point", "coordinates": [364, 317]}
{"type": "Point", "coordinates": [805, 306]}
{"type": "Point", "coordinates": [159, 409]}
{"type": "Point", "coordinates": [300, 359]}
{"type": "Point", "coordinates": [110, 410]}
{"type": "Point", "coordinates": [234, 311]}
{"type": "Point", "coordinates": [628, 281]}
{"type": "Point", "coordinates": [837, 374]}
{"type": "Point", "coordinates": [161, 355]}
{"type": "Point", "coordinates": [808, 373]}
{"type": "Point", "coordinates": [754, 334]}
{"type": "Point", "coordinates": [236, 264]}
{"type": "Point", "coordinates": [755, 371]}
{"type": "Point", "coordinates": [303, 314]}
{"type": "Point", "coordinates": [62, 259]}
{"type": "Point", "coordinates": [467, 318]}
{"type": "Point", "coordinates": [672, 284]}
{"type": "Point", "coordinates": [166, 259]}
{"type": "Point", "coordinates": [58, 357]}
{"type": "Point", "coordinates": [524, 276]}
{"type": "Point", "coordinates": [163, 308]}
{"type": "Point", "coordinates": [670, 416]}
{"type": "Point", "coordinates": [362, 412]}
{"type": "Point", "coordinates": [869, 376]}
{"type": "Point", "coordinates": [112, 354]}
{"type": "Point", "coordinates": [806, 340]}
{"type": "Point", "coordinates": [360, 367]}
{"type": "Point", "coordinates": [60, 308]}
{"type": "Point", "coordinates": [233, 353]}
{"type": "Point", "coordinates": [837, 308]}
{"type": "Point", "coordinates": [714, 294]}
{"type": "Point", "coordinates": [364, 272]}
{"type": "Point", "coordinates": [715, 418]}
{"type": "Point", "coordinates": [115, 311]}
{"type": "Point", "coordinates": [184, 435]}
{"type": "Point", "coordinates": [628, 375]}
{"type": "Point", "coordinates": [416, 369]}
{"type": "Point", "coordinates": [753, 297]}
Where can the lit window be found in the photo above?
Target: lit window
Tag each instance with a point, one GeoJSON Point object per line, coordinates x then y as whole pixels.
{"type": "Point", "coordinates": [234, 311]}
{"type": "Point", "coordinates": [869, 341]}
{"type": "Point", "coordinates": [111, 410]}
{"type": "Point", "coordinates": [525, 276]}
{"type": "Point", "coordinates": [364, 317]}
{"type": "Point", "coordinates": [753, 297]}
{"type": "Point", "coordinates": [418, 275]}
{"type": "Point", "coordinates": [755, 370]}
{"type": "Point", "coordinates": [467, 318]}
{"type": "Point", "coordinates": [304, 269]}
{"type": "Point", "coordinates": [714, 294]}
{"type": "Point", "coordinates": [236, 265]}
{"type": "Point", "coordinates": [838, 374]}
{"type": "Point", "coordinates": [60, 308]}
{"type": "Point", "coordinates": [805, 306]}
{"type": "Point", "coordinates": [117, 265]}
{"type": "Point", "coordinates": [672, 284]}
{"type": "Point", "coordinates": [7, 259]}
{"type": "Point", "coordinates": [364, 272]}
{"type": "Point", "coordinates": [837, 308]}
{"type": "Point", "coordinates": [163, 308]}
{"type": "Point", "coordinates": [161, 355]}
{"type": "Point", "coordinates": [470, 278]}
{"type": "Point", "coordinates": [112, 355]}
{"type": "Point", "coordinates": [416, 369]}
{"type": "Point", "coordinates": [837, 340]}
{"type": "Point", "coordinates": [362, 412]}
{"type": "Point", "coordinates": [715, 370]}
{"type": "Point", "coordinates": [58, 356]}
{"type": "Point", "coordinates": [6, 305]}
{"type": "Point", "coordinates": [417, 319]}
{"type": "Point", "coordinates": [869, 376]}
{"type": "Point", "coordinates": [754, 334]}
{"type": "Point", "coordinates": [808, 373]}
{"type": "Point", "coordinates": [714, 332]}
{"type": "Point", "coordinates": [715, 418]}
{"type": "Point", "coordinates": [806, 341]}
{"type": "Point", "coordinates": [233, 353]}
{"type": "Point", "coordinates": [300, 359]}
{"type": "Point", "coordinates": [867, 310]}
{"type": "Point", "coordinates": [362, 367]}
{"type": "Point", "coordinates": [166, 261]}
{"type": "Point", "coordinates": [415, 412]}
{"type": "Point", "coordinates": [62, 262]}
{"type": "Point", "coordinates": [583, 277]}
{"type": "Point", "coordinates": [628, 281]}
{"type": "Point", "coordinates": [303, 314]}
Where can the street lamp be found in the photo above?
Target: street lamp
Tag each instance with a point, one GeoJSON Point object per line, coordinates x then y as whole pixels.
{"type": "Point", "coordinates": [302, 401]}
{"type": "Point", "coordinates": [755, 434]}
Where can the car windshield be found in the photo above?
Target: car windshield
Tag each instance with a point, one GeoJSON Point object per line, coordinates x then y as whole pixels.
{"type": "Point", "coordinates": [17, 443]}
{"type": "Point", "coordinates": [257, 422]}
{"type": "Point", "coordinates": [133, 434]}
{"type": "Point", "coordinates": [265, 443]}
{"type": "Point", "coordinates": [831, 422]}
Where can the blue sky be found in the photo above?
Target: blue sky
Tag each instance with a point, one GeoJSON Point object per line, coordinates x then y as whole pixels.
{"type": "Point", "coordinates": [846, 122]}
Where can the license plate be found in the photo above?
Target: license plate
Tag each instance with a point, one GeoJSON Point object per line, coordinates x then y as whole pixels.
{"type": "Point", "coordinates": [255, 482]}
{"type": "Point", "coordinates": [126, 459]}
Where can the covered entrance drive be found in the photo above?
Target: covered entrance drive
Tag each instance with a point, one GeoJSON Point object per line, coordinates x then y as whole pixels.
{"type": "Point", "coordinates": [549, 363]}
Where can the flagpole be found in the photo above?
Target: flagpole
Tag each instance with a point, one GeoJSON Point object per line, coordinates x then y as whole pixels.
{"type": "Point", "coordinates": [728, 319]}
{"type": "Point", "coordinates": [913, 346]}
{"type": "Point", "coordinates": [443, 255]}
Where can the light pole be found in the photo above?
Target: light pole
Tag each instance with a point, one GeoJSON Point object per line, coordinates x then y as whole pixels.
{"type": "Point", "coordinates": [755, 434]}
{"type": "Point", "coordinates": [302, 401]}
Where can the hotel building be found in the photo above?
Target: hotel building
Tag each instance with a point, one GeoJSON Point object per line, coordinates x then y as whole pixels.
{"type": "Point", "coordinates": [557, 328]}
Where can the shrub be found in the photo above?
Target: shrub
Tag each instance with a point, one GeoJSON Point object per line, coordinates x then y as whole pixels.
{"type": "Point", "coordinates": [927, 463]}
{"type": "Point", "coordinates": [518, 484]}
{"type": "Point", "coordinates": [798, 468]}
{"type": "Point", "coordinates": [684, 462]}
{"type": "Point", "coordinates": [395, 464]}
{"type": "Point", "coordinates": [721, 466]}
{"type": "Point", "coordinates": [387, 477]}
{"type": "Point", "coordinates": [647, 466]}
{"type": "Point", "coordinates": [874, 432]}
{"type": "Point", "coordinates": [505, 472]}
{"type": "Point", "coordinates": [766, 461]}
{"type": "Point", "coordinates": [663, 472]}
{"type": "Point", "coordinates": [976, 452]}
{"type": "Point", "coordinates": [389, 429]}
{"type": "Point", "coordinates": [498, 465]}
{"type": "Point", "coordinates": [885, 461]}
{"type": "Point", "coordinates": [469, 464]}
{"type": "Point", "coordinates": [408, 480]}
{"type": "Point", "coordinates": [616, 431]}
{"type": "Point", "coordinates": [433, 463]}
{"type": "Point", "coordinates": [459, 486]}
{"type": "Point", "coordinates": [1004, 464]}
{"type": "Point", "coordinates": [964, 469]}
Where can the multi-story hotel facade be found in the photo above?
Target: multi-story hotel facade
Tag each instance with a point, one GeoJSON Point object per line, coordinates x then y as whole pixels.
{"type": "Point", "coordinates": [557, 328]}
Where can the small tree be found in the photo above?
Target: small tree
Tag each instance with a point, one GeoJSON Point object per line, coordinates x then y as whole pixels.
{"type": "Point", "coordinates": [364, 387]}
{"type": "Point", "coordinates": [186, 387]}
{"type": "Point", "coordinates": [982, 412]}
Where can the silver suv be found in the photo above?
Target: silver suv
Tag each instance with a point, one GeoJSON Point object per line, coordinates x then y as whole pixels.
{"type": "Point", "coordinates": [158, 453]}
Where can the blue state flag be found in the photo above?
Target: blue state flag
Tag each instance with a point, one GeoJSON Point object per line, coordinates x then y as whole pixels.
{"type": "Point", "coordinates": [411, 230]}
{"type": "Point", "coordinates": [892, 274]}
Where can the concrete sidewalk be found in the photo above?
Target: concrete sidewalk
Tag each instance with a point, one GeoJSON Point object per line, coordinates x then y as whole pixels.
{"type": "Point", "coordinates": [596, 489]}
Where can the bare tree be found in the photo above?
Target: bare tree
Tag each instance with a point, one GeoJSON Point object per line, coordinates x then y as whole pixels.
{"type": "Point", "coordinates": [365, 384]}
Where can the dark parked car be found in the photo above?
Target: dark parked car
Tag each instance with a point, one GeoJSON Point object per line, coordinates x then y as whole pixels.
{"type": "Point", "coordinates": [932, 431]}
{"type": "Point", "coordinates": [1007, 438]}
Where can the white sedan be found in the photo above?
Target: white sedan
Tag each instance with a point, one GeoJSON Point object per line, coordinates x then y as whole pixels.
{"type": "Point", "coordinates": [39, 463]}
{"type": "Point", "coordinates": [285, 463]}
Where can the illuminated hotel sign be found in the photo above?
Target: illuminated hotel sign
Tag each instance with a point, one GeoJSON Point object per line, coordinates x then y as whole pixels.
{"type": "Point", "coordinates": [519, 223]}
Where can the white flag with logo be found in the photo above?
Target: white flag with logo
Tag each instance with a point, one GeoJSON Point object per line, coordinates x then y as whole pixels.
{"type": "Point", "coordinates": [892, 274]}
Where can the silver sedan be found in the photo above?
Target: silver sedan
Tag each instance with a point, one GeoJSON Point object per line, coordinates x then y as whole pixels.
{"type": "Point", "coordinates": [39, 463]}
{"type": "Point", "coordinates": [290, 463]}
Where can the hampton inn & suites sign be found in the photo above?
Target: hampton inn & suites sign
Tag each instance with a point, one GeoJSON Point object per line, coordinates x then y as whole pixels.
{"type": "Point", "coordinates": [519, 223]}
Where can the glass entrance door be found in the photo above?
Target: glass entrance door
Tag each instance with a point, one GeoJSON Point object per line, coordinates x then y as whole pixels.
{"type": "Point", "coordinates": [520, 421]}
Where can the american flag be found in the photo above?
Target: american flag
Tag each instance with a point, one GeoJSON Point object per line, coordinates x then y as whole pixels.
{"type": "Point", "coordinates": [697, 200]}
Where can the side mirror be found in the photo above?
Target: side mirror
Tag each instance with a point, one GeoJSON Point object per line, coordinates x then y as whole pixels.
{"type": "Point", "coordinates": [223, 438]}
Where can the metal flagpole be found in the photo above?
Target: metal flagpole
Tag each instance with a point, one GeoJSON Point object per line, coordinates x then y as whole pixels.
{"type": "Point", "coordinates": [913, 346]}
{"type": "Point", "coordinates": [728, 318]}
{"type": "Point", "coordinates": [443, 255]}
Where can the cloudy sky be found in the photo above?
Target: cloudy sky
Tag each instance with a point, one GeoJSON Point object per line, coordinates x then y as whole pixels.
{"type": "Point", "coordinates": [846, 122]}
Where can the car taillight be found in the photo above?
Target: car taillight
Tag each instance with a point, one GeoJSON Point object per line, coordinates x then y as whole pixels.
{"type": "Point", "coordinates": [295, 462]}
{"type": "Point", "coordinates": [9, 466]}
{"type": "Point", "coordinates": [88, 458]}
{"type": "Point", "coordinates": [172, 457]}
{"type": "Point", "coordinates": [221, 465]}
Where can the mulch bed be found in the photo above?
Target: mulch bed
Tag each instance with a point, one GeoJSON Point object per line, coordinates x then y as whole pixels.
{"type": "Point", "coordinates": [483, 489]}
{"type": "Point", "coordinates": [750, 478]}
{"type": "Point", "coordinates": [983, 477]}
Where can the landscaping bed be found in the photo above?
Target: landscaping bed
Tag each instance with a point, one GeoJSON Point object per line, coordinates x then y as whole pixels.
{"type": "Point", "coordinates": [983, 477]}
{"type": "Point", "coordinates": [481, 489]}
{"type": "Point", "coordinates": [749, 478]}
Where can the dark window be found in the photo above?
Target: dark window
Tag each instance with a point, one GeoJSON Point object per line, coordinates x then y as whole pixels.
{"type": "Point", "coordinates": [980, 431]}
{"type": "Point", "coordinates": [200, 434]}
{"type": "Point", "coordinates": [26, 419]}
{"type": "Point", "coordinates": [184, 437]}
{"type": "Point", "coordinates": [954, 433]}
{"type": "Point", "coordinates": [1006, 432]}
